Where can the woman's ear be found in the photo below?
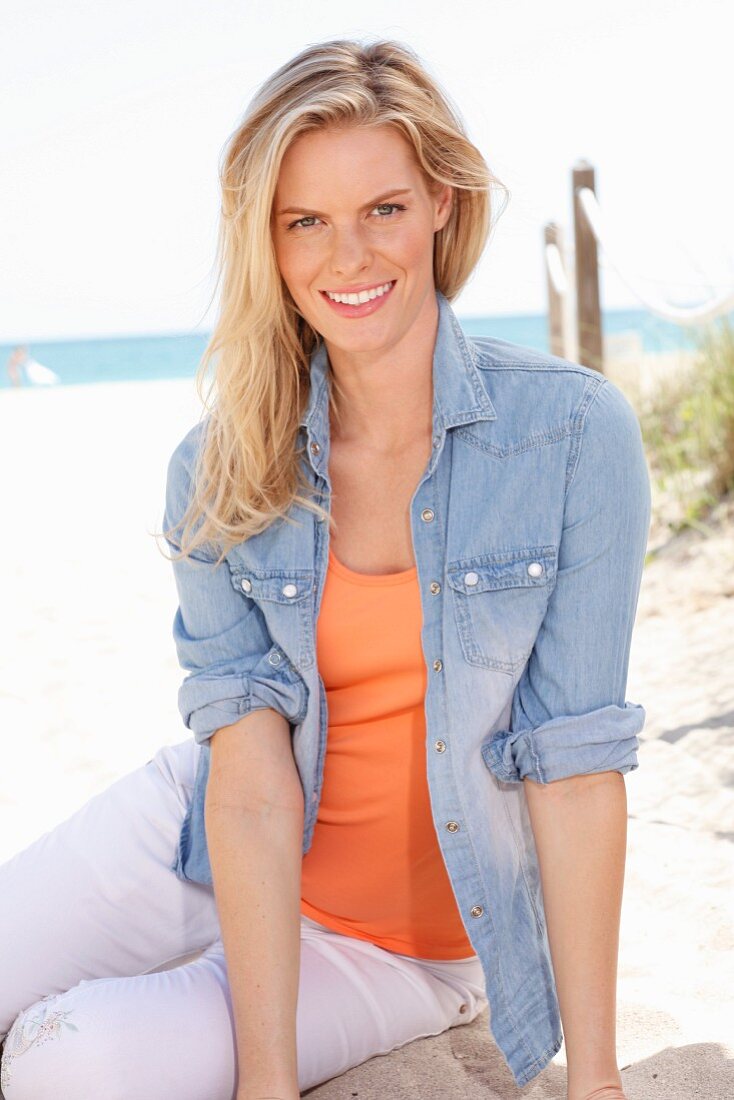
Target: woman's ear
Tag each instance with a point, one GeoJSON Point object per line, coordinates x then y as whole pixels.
{"type": "Point", "coordinates": [444, 200]}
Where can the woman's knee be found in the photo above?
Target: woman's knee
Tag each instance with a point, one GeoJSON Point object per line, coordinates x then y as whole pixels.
{"type": "Point", "coordinates": [178, 763]}
{"type": "Point", "coordinates": [26, 1070]}
{"type": "Point", "coordinates": [159, 1035]}
{"type": "Point", "coordinates": [54, 1052]}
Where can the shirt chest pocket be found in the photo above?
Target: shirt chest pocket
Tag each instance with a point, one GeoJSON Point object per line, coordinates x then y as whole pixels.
{"type": "Point", "coordinates": [499, 600]}
{"type": "Point", "coordinates": [285, 598]}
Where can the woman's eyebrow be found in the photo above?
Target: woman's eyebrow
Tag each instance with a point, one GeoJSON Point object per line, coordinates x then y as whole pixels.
{"type": "Point", "coordinates": [371, 203]}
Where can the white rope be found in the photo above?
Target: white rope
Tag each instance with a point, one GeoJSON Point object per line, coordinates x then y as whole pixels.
{"type": "Point", "coordinates": [690, 315]}
{"type": "Point", "coordinates": [556, 270]}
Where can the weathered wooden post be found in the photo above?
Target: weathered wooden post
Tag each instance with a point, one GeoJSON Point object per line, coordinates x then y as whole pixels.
{"type": "Point", "coordinates": [588, 309]}
{"type": "Point", "coordinates": [557, 288]}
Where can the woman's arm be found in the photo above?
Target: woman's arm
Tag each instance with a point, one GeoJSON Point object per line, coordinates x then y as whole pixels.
{"type": "Point", "coordinates": [580, 830]}
{"type": "Point", "coordinates": [254, 828]}
{"type": "Point", "coordinates": [253, 816]}
{"type": "Point", "coordinates": [572, 734]}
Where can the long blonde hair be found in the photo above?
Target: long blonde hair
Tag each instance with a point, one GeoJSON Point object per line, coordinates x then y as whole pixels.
{"type": "Point", "coordinates": [248, 471]}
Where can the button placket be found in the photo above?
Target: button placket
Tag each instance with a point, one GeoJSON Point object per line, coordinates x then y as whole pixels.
{"type": "Point", "coordinates": [440, 746]}
{"type": "Point", "coordinates": [428, 515]}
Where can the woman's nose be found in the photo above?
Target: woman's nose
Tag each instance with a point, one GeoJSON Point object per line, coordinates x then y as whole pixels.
{"type": "Point", "coordinates": [349, 252]}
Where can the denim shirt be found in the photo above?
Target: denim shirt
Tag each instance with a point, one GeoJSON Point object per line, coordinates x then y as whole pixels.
{"type": "Point", "coordinates": [529, 528]}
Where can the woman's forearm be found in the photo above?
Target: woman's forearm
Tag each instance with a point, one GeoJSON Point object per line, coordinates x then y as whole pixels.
{"type": "Point", "coordinates": [580, 830]}
{"type": "Point", "coordinates": [255, 855]}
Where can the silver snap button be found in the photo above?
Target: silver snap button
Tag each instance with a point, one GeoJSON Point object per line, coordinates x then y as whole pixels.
{"type": "Point", "coordinates": [290, 590]}
{"type": "Point", "coordinates": [452, 826]}
{"type": "Point", "coordinates": [436, 440]}
{"type": "Point", "coordinates": [427, 515]}
{"type": "Point", "coordinates": [535, 569]}
{"type": "Point", "coordinates": [471, 578]}
{"type": "Point", "coordinates": [434, 588]}
{"type": "Point", "coordinates": [476, 911]}
{"type": "Point", "coordinates": [440, 746]}
{"type": "Point", "coordinates": [463, 1008]}
{"type": "Point", "coordinates": [315, 449]}
{"type": "Point", "coordinates": [274, 658]}
{"type": "Point", "coordinates": [437, 665]}
{"type": "Point", "coordinates": [246, 585]}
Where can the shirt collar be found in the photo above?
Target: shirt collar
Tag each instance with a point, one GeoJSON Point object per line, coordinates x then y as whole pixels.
{"type": "Point", "coordinates": [459, 394]}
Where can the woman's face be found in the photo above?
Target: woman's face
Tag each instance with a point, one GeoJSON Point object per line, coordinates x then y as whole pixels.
{"type": "Point", "coordinates": [352, 214]}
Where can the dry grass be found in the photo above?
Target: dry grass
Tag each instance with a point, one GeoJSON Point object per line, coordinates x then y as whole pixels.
{"type": "Point", "coordinates": [687, 425]}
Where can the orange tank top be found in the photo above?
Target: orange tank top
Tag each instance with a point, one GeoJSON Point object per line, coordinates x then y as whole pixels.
{"type": "Point", "coordinates": [374, 870]}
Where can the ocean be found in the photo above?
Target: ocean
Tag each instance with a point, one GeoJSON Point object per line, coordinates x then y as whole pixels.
{"type": "Point", "coordinates": [138, 358]}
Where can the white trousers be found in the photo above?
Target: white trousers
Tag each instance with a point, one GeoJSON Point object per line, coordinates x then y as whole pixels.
{"type": "Point", "coordinates": [113, 980]}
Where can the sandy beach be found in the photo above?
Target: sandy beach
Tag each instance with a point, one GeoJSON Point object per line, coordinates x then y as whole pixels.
{"type": "Point", "coordinates": [88, 684]}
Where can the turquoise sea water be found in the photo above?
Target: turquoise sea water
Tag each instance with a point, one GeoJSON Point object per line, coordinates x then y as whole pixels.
{"type": "Point", "coordinates": [136, 358]}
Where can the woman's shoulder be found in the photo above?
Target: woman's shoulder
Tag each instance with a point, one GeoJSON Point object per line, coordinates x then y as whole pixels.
{"type": "Point", "coordinates": [574, 386]}
{"type": "Point", "coordinates": [181, 470]}
{"type": "Point", "coordinates": [491, 353]}
{"type": "Point", "coordinates": [183, 457]}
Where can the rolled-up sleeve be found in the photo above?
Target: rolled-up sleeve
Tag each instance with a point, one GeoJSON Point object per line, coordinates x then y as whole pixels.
{"type": "Point", "coordinates": [569, 714]}
{"type": "Point", "coordinates": [220, 634]}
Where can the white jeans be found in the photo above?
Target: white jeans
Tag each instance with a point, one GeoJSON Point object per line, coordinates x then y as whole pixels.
{"type": "Point", "coordinates": [113, 980]}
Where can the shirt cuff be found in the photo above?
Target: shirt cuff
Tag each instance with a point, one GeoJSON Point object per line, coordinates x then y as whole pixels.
{"type": "Point", "coordinates": [600, 740]}
{"type": "Point", "coordinates": [207, 701]}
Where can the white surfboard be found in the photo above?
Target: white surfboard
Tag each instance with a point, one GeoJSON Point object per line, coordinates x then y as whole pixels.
{"type": "Point", "coordinates": [40, 375]}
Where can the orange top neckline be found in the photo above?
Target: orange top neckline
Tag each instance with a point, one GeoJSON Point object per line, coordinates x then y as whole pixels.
{"type": "Point", "coordinates": [381, 579]}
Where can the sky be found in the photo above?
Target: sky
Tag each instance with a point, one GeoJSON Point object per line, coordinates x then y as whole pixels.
{"type": "Point", "coordinates": [114, 117]}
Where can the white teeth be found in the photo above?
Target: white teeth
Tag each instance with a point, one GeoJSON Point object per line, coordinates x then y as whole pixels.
{"type": "Point", "coordinates": [363, 296]}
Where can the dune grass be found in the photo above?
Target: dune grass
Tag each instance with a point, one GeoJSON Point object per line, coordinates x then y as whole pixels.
{"type": "Point", "coordinates": [688, 431]}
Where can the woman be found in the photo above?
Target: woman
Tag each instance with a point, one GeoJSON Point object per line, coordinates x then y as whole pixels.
{"type": "Point", "coordinates": [404, 798]}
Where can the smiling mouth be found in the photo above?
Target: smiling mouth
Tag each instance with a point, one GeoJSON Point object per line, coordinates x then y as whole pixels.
{"type": "Point", "coordinates": [359, 298]}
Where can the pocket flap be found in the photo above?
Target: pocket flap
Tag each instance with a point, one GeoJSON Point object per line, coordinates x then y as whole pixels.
{"type": "Point", "coordinates": [278, 585]}
{"type": "Point", "coordinates": [523, 567]}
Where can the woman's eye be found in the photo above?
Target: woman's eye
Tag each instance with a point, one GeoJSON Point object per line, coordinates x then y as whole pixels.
{"type": "Point", "coordinates": [387, 210]}
{"type": "Point", "coordinates": [390, 207]}
{"type": "Point", "coordinates": [300, 223]}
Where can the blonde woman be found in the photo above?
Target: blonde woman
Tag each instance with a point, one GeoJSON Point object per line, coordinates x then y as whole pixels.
{"type": "Point", "coordinates": [408, 565]}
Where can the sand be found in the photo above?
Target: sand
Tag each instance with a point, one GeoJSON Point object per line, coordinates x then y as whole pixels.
{"type": "Point", "coordinates": [88, 683]}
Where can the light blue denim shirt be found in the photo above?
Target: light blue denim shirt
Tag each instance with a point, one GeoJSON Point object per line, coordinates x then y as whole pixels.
{"type": "Point", "coordinates": [529, 529]}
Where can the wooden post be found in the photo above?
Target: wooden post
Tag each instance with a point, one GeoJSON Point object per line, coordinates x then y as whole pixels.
{"type": "Point", "coordinates": [588, 309]}
{"type": "Point", "coordinates": [552, 236]}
